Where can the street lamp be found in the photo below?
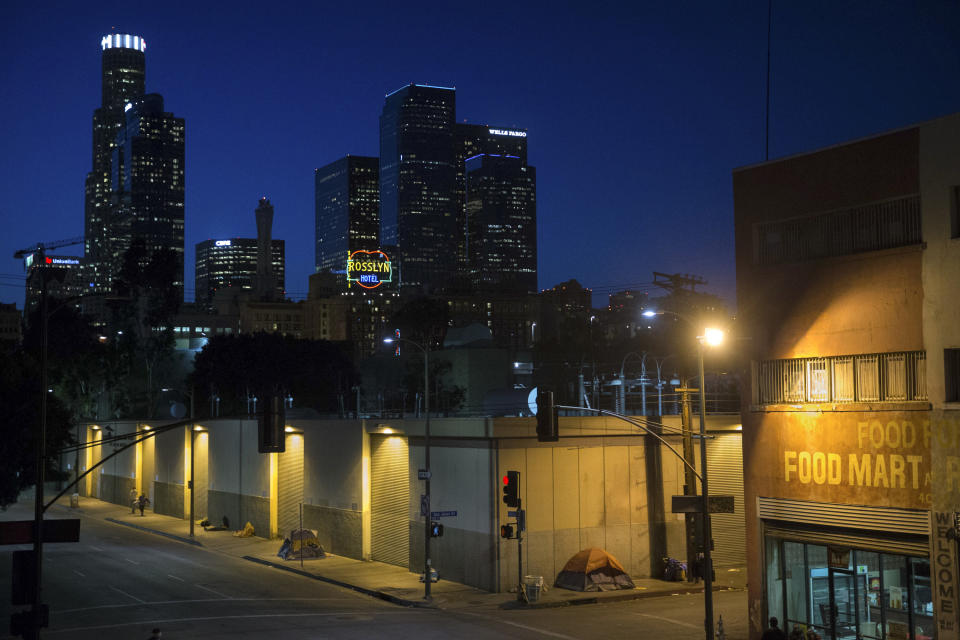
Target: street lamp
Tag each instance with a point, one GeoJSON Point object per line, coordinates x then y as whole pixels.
{"type": "Point", "coordinates": [425, 348]}
{"type": "Point", "coordinates": [711, 337]}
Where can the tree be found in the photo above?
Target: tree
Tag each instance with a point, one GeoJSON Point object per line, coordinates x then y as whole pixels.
{"type": "Point", "coordinates": [314, 372]}
{"type": "Point", "coordinates": [20, 397]}
{"type": "Point", "coordinates": [423, 319]}
{"type": "Point", "coordinates": [142, 321]}
{"type": "Point", "coordinates": [81, 368]}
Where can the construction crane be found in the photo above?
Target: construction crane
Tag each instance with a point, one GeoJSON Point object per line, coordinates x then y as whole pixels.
{"type": "Point", "coordinates": [42, 247]}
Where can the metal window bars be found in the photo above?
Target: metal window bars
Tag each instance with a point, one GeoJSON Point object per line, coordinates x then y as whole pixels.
{"type": "Point", "coordinates": [868, 227]}
{"type": "Point", "coordinates": [877, 377]}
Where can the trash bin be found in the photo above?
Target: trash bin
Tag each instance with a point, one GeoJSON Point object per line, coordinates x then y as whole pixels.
{"type": "Point", "coordinates": [75, 500]}
{"type": "Point", "coordinates": [533, 586]}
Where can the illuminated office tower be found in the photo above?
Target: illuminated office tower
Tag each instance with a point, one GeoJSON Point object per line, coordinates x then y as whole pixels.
{"type": "Point", "coordinates": [232, 264]}
{"type": "Point", "coordinates": [347, 215]}
{"type": "Point", "coordinates": [501, 224]}
{"type": "Point", "coordinates": [472, 140]}
{"type": "Point", "coordinates": [123, 69]}
{"type": "Point", "coordinates": [418, 171]}
{"type": "Point", "coordinates": [146, 181]}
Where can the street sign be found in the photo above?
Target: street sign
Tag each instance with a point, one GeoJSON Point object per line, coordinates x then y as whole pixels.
{"type": "Point", "coordinates": [443, 514]}
{"type": "Point", "coordinates": [511, 514]}
{"type": "Point", "coordinates": [694, 504]}
{"type": "Point", "coordinates": [21, 531]}
{"type": "Point", "coordinates": [423, 474]}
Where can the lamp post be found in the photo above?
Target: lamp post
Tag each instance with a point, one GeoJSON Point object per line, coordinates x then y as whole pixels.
{"type": "Point", "coordinates": [425, 348]}
{"type": "Point", "coordinates": [711, 337]}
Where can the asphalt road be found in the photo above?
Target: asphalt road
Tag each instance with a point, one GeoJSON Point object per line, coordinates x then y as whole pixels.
{"type": "Point", "coordinates": [121, 583]}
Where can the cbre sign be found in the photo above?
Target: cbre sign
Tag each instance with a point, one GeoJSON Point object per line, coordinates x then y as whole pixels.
{"type": "Point", "coordinates": [368, 269]}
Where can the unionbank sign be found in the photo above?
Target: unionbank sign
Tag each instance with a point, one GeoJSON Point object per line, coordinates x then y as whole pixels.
{"type": "Point", "coordinates": [368, 269]}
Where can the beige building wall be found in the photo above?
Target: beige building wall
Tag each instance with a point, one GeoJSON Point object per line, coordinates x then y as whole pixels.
{"type": "Point", "coordinates": [940, 178]}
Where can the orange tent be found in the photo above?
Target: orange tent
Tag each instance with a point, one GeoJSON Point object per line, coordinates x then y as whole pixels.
{"type": "Point", "coordinates": [593, 570]}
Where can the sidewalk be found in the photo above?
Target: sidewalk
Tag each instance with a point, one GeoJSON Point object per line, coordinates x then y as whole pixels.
{"type": "Point", "coordinates": [376, 579]}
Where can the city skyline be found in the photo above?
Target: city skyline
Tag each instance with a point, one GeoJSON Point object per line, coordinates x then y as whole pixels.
{"type": "Point", "coordinates": [636, 117]}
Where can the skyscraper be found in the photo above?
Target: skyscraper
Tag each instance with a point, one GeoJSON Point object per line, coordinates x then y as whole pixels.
{"type": "Point", "coordinates": [232, 263]}
{"type": "Point", "coordinates": [418, 170]}
{"type": "Point", "coordinates": [347, 216]}
{"type": "Point", "coordinates": [147, 173]}
{"type": "Point", "coordinates": [136, 186]}
{"type": "Point", "coordinates": [123, 69]}
{"type": "Point", "coordinates": [472, 140]}
{"type": "Point", "coordinates": [501, 225]}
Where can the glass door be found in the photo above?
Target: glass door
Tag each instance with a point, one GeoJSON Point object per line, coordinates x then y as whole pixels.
{"type": "Point", "coordinates": [843, 614]}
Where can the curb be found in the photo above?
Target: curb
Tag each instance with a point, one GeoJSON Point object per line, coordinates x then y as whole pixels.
{"type": "Point", "coordinates": [403, 602]}
{"type": "Point", "coordinates": [155, 531]}
{"type": "Point", "coordinates": [629, 595]}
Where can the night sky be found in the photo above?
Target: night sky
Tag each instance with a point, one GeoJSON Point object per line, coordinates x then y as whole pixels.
{"type": "Point", "coordinates": [637, 111]}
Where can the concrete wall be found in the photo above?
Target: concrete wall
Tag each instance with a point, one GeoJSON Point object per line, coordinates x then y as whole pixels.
{"type": "Point", "coordinates": [863, 303]}
{"type": "Point", "coordinates": [169, 467]}
{"type": "Point", "coordinates": [333, 483]}
{"type": "Point", "coordinates": [939, 177]}
{"type": "Point", "coordinates": [462, 470]}
{"type": "Point", "coordinates": [168, 499]}
{"type": "Point", "coordinates": [588, 492]}
{"type": "Point", "coordinates": [238, 476]}
{"type": "Point", "coordinates": [340, 531]}
{"type": "Point", "coordinates": [116, 489]}
{"type": "Point", "coordinates": [240, 509]}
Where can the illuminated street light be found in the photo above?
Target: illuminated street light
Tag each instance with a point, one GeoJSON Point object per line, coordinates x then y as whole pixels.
{"type": "Point", "coordinates": [711, 337]}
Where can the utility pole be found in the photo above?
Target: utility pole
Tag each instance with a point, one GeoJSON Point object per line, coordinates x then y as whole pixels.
{"type": "Point", "coordinates": [38, 617]}
{"type": "Point", "coordinates": [689, 480]}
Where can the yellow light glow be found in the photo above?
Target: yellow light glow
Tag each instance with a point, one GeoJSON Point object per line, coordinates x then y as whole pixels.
{"type": "Point", "coordinates": [198, 428]}
{"type": "Point", "coordinates": [713, 337]}
{"type": "Point", "coordinates": [386, 430]}
{"type": "Point", "coordinates": [146, 427]}
{"type": "Point", "coordinates": [288, 429]}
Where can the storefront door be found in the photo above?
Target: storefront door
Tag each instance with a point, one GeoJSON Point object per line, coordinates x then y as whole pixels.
{"type": "Point", "coordinates": [845, 612]}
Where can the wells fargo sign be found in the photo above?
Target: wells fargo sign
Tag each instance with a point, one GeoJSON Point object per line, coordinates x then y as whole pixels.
{"type": "Point", "coordinates": [368, 269]}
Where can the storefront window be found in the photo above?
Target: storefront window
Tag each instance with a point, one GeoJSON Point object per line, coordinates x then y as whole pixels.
{"type": "Point", "coordinates": [876, 596]}
{"type": "Point", "coordinates": [868, 566]}
{"type": "Point", "coordinates": [921, 598]}
{"type": "Point", "coordinates": [796, 579]}
{"type": "Point", "coordinates": [896, 598]}
{"type": "Point", "coordinates": [819, 582]}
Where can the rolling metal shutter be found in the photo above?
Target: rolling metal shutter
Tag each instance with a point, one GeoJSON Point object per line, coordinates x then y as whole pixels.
{"type": "Point", "coordinates": [290, 485]}
{"type": "Point", "coordinates": [390, 500]}
{"type": "Point", "coordinates": [887, 529]}
{"type": "Point", "coordinates": [725, 469]}
{"type": "Point", "coordinates": [200, 475]}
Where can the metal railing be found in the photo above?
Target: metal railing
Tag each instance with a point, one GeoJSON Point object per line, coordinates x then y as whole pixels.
{"type": "Point", "coordinates": [869, 227]}
{"type": "Point", "coordinates": [878, 377]}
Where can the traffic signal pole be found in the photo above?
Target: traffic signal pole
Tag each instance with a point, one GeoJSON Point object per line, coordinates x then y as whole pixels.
{"type": "Point", "coordinates": [521, 592]}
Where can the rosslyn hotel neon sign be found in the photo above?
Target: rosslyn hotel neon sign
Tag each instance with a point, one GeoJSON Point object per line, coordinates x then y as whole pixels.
{"type": "Point", "coordinates": [368, 269]}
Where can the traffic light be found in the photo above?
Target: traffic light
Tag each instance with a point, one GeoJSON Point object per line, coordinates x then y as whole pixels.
{"type": "Point", "coordinates": [511, 489]}
{"type": "Point", "coordinates": [548, 424]}
{"type": "Point", "coordinates": [436, 529]}
{"type": "Point", "coordinates": [270, 426]}
{"type": "Point", "coordinates": [506, 531]}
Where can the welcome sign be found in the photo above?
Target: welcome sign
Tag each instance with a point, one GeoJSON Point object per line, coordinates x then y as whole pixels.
{"type": "Point", "coordinates": [368, 269]}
